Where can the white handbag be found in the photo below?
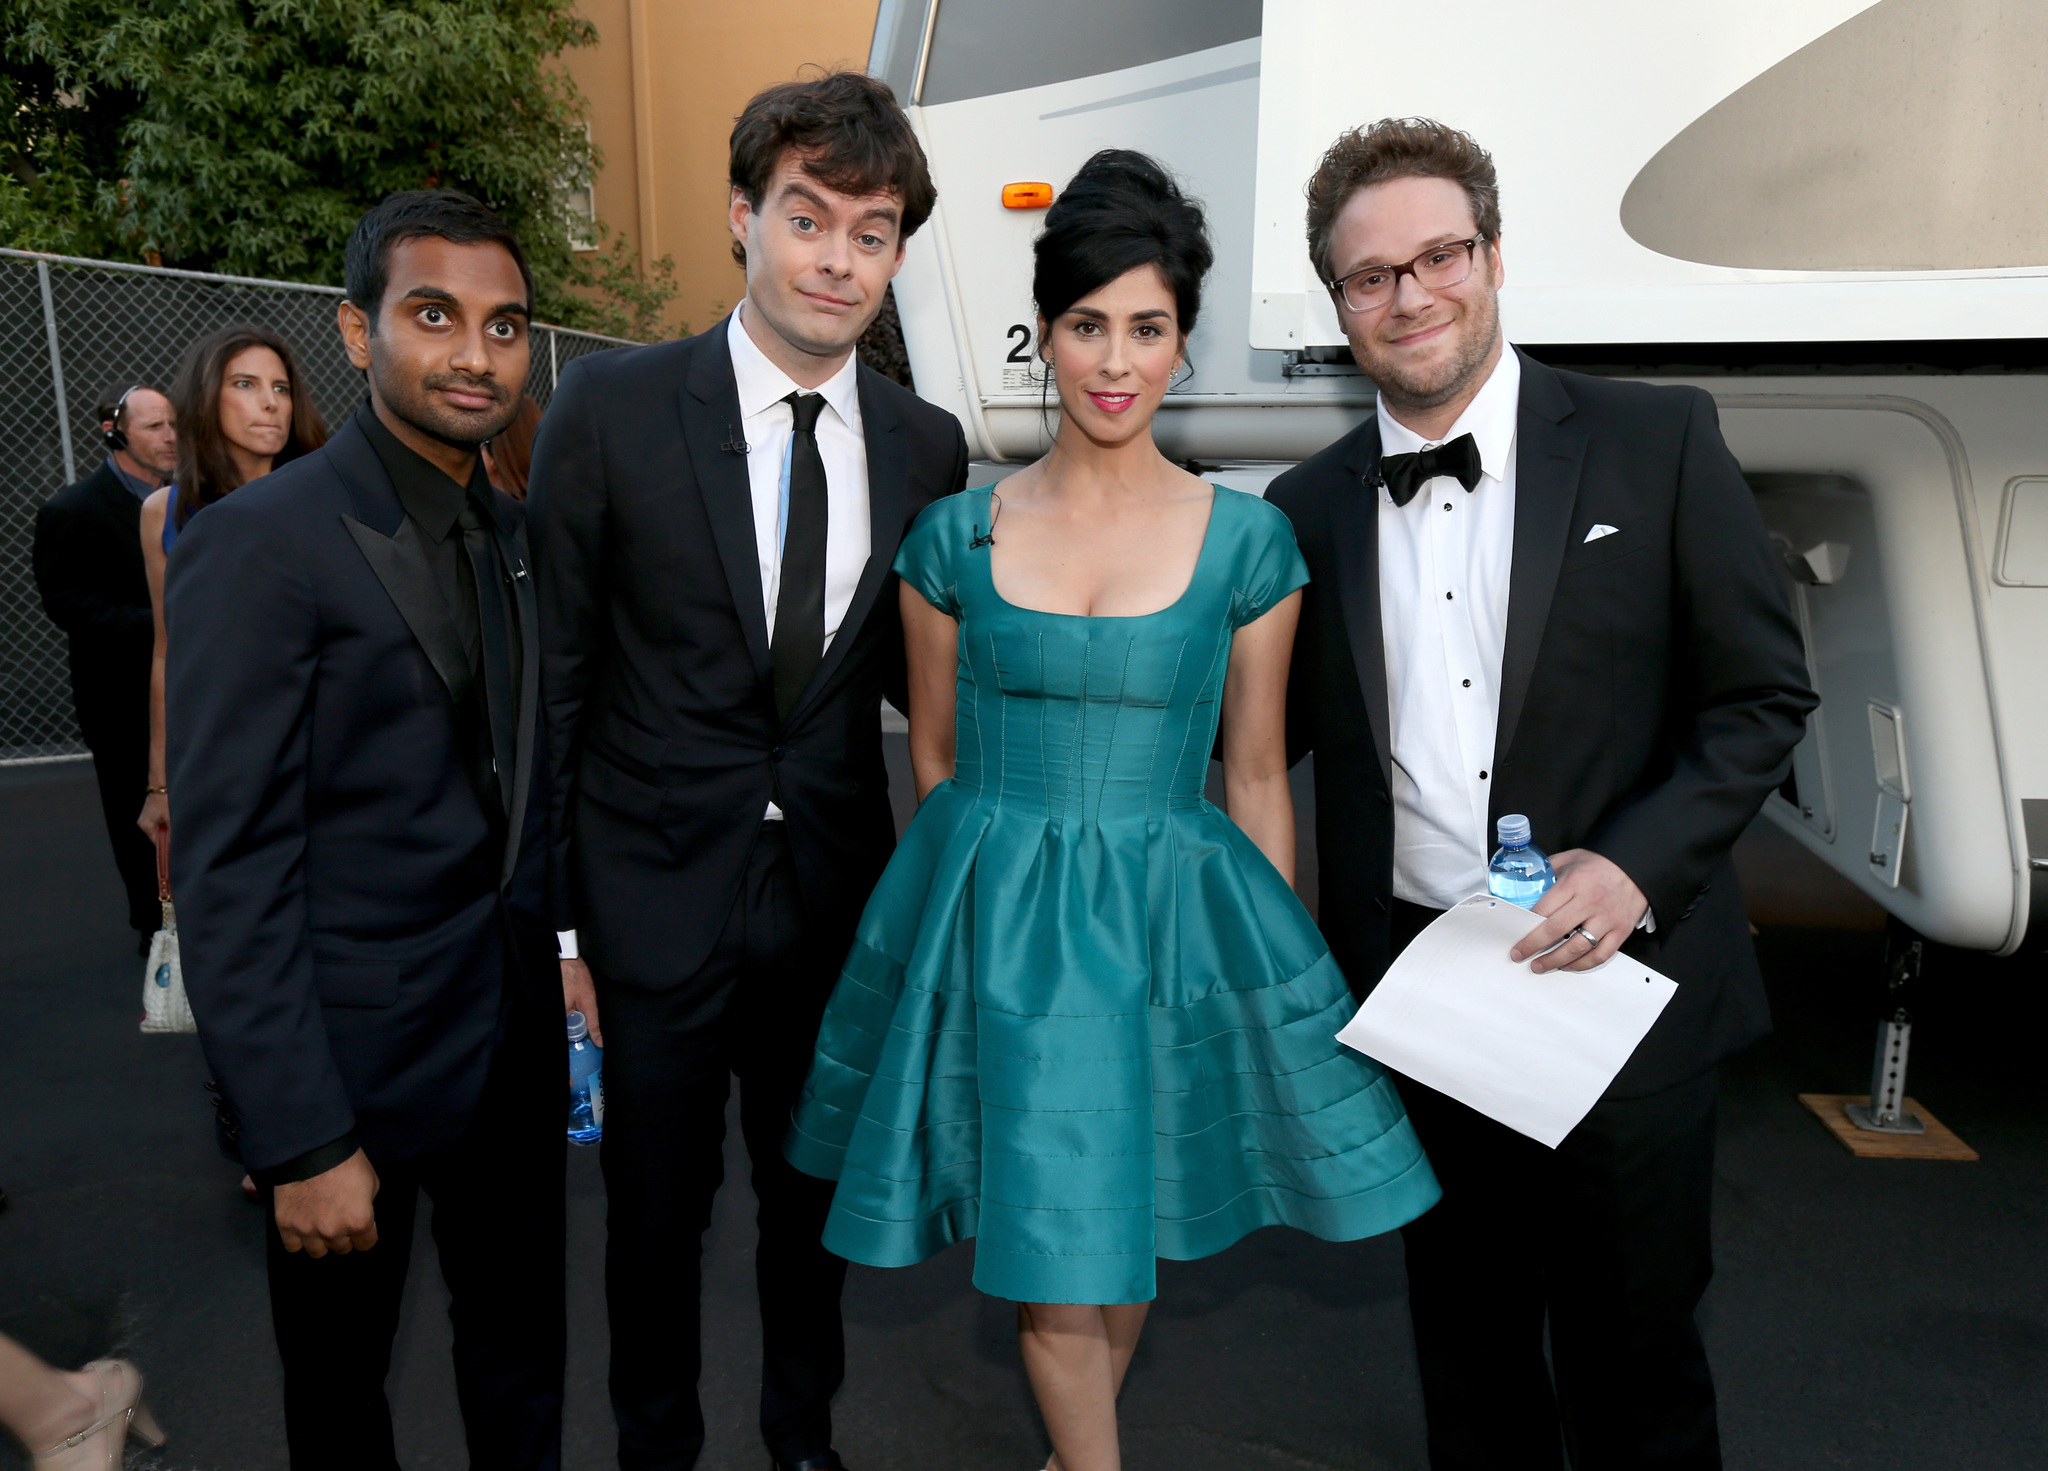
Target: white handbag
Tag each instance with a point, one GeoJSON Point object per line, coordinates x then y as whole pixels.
{"type": "Point", "coordinates": [165, 1007]}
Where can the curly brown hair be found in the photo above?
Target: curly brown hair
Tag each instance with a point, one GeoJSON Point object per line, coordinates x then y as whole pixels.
{"type": "Point", "coordinates": [1398, 148]}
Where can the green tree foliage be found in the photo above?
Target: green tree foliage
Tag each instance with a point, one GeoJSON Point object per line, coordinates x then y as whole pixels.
{"type": "Point", "coordinates": [246, 136]}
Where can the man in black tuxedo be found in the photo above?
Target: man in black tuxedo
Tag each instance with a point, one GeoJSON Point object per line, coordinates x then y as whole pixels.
{"type": "Point", "coordinates": [1542, 593]}
{"type": "Point", "coordinates": [353, 714]}
{"type": "Point", "coordinates": [88, 569]}
{"type": "Point", "coordinates": [713, 526]}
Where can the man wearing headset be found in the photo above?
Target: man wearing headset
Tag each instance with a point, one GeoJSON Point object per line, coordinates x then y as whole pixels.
{"type": "Point", "coordinates": [88, 568]}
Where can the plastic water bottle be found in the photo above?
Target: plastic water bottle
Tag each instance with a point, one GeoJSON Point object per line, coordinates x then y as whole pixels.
{"type": "Point", "coordinates": [586, 1083]}
{"type": "Point", "coordinates": [1519, 873]}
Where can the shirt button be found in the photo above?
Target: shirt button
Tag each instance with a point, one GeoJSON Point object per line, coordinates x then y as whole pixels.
{"type": "Point", "coordinates": [1447, 505]}
{"type": "Point", "coordinates": [1468, 684]}
{"type": "Point", "coordinates": [1482, 776]}
{"type": "Point", "coordinates": [1449, 595]}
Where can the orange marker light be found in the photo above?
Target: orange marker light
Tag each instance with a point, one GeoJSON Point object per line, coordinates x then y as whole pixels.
{"type": "Point", "coordinates": [1026, 196]}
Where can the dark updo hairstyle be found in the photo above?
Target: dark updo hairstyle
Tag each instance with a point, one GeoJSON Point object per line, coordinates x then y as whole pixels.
{"type": "Point", "coordinates": [1120, 212]}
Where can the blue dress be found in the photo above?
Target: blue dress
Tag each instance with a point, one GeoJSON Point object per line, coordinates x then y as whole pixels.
{"type": "Point", "coordinates": [1084, 1020]}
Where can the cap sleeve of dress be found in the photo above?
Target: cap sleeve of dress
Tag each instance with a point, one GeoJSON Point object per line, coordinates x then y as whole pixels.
{"type": "Point", "coordinates": [929, 558]}
{"type": "Point", "coordinates": [1269, 565]}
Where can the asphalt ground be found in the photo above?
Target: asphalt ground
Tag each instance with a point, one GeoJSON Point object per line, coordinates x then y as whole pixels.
{"type": "Point", "coordinates": [1867, 1314]}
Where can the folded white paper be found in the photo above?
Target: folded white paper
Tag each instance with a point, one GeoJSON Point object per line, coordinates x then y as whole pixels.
{"type": "Point", "coordinates": [1534, 1052]}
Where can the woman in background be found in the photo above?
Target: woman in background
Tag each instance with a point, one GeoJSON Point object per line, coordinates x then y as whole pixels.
{"type": "Point", "coordinates": [508, 456]}
{"type": "Point", "coordinates": [1085, 1019]}
{"type": "Point", "coordinates": [242, 411]}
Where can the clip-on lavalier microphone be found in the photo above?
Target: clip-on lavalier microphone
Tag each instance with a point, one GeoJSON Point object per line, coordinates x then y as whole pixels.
{"type": "Point", "coordinates": [987, 538]}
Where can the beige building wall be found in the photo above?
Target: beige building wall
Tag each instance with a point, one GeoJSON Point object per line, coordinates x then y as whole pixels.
{"type": "Point", "coordinates": [664, 81]}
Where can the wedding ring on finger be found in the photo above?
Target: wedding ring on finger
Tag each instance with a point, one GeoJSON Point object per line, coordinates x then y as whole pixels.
{"type": "Point", "coordinates": [1592, 940]}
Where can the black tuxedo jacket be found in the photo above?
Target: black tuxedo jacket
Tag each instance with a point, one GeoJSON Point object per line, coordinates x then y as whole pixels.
{"type": "Point", "coordinates": [1652, 684]}
{"type": "Point", "coordinates": [88, 569]}
{"type": "Point", "coordinates": [356, 931]}
{"type": "Point", "coordinates": [661, 716]}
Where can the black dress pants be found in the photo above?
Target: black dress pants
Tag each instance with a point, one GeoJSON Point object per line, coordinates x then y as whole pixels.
{"type": "Point", "coordinates": [120, 764]}
{"type": "Point", "coordinates": [499, 1224]}
{"type": "Point", "coordinates": [1604, 1240]}
{"type": "Point", "coordinates": [752, 1012]}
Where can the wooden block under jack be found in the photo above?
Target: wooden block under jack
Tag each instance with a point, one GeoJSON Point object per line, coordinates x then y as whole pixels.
{"type": "Point", "coordinates": [1939, 1142]}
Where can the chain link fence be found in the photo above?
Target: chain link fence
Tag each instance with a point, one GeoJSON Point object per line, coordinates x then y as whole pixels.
{"type": "Point", "coordinates": [70, 330]}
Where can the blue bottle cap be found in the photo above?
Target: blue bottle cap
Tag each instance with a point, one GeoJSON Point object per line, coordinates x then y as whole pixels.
{"type": "Point", "coordinates": [1513, 830]}
{"type": "Point", "coordinates": [578, 1027]}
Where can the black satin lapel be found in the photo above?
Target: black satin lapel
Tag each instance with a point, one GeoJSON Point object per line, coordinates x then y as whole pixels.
{"type": "Point", "coordinates": [1354, 511]}
{"type": "Point", "coordinates": [369, 487]}
{"type": "Point", "coordinates": [1548, 456]}
{"type": "Point", "coordinates": [513, 547]}
{"type": "Point", "coordinates": [1355, 537]}
{"type": "Point", "coordinates": [400, 563]}
{"type": "Point", "coordinates": [888, 491]}
{"type": "Point", "coordinates": [711, 422]}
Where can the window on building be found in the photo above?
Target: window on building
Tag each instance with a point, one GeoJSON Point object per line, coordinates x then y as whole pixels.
{"type": "Point", "coordinates": [578, 197]}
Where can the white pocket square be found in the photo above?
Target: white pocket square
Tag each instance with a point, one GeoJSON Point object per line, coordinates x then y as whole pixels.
{"type": "Point", "coordinates": [1599, 531]}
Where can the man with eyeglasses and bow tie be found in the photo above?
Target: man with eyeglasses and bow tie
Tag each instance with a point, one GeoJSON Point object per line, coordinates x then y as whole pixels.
{"type": "Point", "coordinates": [1543, 593]}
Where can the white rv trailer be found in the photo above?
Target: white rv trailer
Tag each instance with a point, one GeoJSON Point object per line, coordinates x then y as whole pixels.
{"type": "Point", "coordinates": [1825, 212]}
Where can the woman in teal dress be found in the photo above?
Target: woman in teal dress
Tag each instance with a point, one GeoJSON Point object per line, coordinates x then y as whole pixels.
{"type": "Point", "coordinates": [1085, 1019]}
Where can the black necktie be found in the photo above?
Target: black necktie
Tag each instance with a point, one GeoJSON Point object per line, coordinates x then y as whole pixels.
{"type": "Point", "coordinates": [501, 704]}
{"type": "Point", "coordinates": [800, 603]}
{"type": "Point", "coordinates": [1404, 475]}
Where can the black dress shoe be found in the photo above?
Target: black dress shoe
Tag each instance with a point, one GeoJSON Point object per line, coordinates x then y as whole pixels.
{"type": "Point", "coordinates": [829, 1461]}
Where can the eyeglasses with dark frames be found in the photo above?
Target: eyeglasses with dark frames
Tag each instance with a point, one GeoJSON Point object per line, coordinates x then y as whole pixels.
{"type": "Point", "coordinates": [1448, 264]}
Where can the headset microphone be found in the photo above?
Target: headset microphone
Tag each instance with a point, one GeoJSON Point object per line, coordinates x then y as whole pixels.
{"type": "Point", "coordinates": [115, 439]}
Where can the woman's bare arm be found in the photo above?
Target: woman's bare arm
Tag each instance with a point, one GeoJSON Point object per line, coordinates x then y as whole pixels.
{"type": "Point", "coordinates": [931, 642]}
{"type": "Point", "coordinates": [1255, 790]}
{"type": "Point", "coordinates": [155, 817]}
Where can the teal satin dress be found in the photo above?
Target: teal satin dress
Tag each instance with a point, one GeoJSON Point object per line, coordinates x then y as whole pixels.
{"type": "Point", "coordinates": [1084, 1020]}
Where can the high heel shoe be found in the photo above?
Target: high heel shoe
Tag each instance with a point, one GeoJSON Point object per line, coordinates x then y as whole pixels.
{"type": "Point", "coordinates": [98, 1447]}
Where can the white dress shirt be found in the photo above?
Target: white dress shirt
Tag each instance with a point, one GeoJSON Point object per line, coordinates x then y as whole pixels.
{"type": "Point", "coordinates": [766, 423]}
{"type": "Point", "coordinates": [1445, 560]}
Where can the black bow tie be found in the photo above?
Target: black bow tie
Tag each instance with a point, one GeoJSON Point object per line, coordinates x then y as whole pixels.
{"type": "Point", "coordinates": [1403, 475]}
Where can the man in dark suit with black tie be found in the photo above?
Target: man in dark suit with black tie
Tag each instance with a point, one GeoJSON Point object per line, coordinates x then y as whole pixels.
{"type": "Point", "coordinates": [1542, 593]}
{"type": "Point", "coordinates": [361, 856]}
{"type": "Point", "coordinates": [88, 568]}
{"type": "Point", "coordinates": [713, 527]}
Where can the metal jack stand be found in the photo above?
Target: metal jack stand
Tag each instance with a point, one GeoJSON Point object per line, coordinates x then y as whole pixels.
{"type": "Point", "coordinates": [1888, 1124]}
{"type": "Point", "coordinates": [1886, 1113]}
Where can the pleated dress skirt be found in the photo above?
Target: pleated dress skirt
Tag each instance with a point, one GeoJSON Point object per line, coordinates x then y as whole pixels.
{"type": "Point", "coordinates": [1085, 1022]}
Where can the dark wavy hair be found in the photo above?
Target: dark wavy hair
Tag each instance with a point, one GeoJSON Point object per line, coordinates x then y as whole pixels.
{"type": "Point", "coordinates": [1121, 211]}
{"type": "Point", "coordinates": [849, 132]}
{"type": "Point", "coordinates": [206, 471]}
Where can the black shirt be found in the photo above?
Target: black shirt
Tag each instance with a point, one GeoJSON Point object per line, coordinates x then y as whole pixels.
{"type": "Point", "coordinates": [434, 503]}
